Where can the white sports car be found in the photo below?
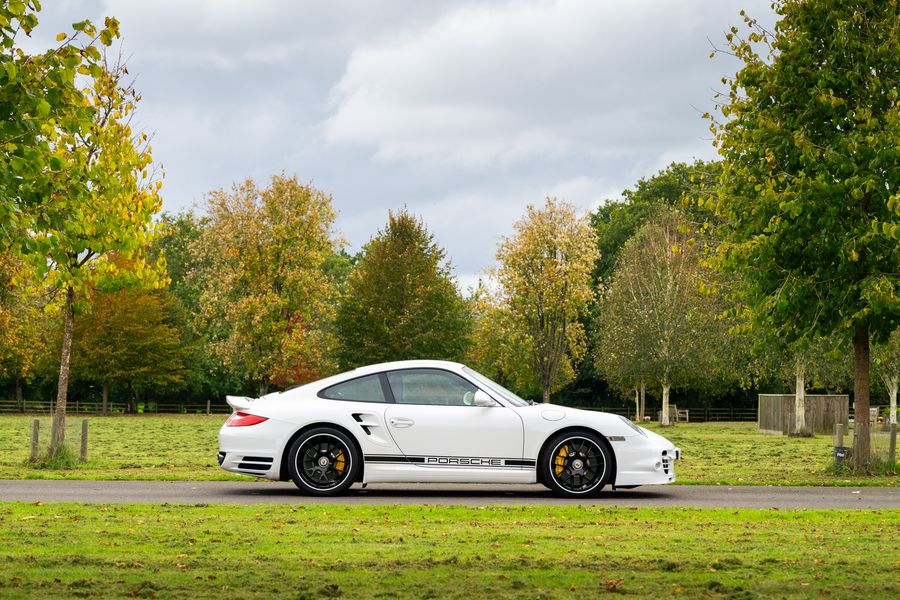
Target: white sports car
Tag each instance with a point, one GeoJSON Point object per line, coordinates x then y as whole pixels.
{"type": "Point", "coordinates": [434, 421]}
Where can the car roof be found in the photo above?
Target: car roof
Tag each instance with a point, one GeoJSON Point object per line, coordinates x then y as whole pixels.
{"type": "Point", "coordinates": [370, 369]}
{"type": "Point", "coordinates": [404, 364]}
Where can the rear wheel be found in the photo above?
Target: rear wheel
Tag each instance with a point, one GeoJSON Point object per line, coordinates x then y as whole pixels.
{"type": "Point", "coordinates": [323, 462]}
{"type": "Point", "coordinates": [576, 464]}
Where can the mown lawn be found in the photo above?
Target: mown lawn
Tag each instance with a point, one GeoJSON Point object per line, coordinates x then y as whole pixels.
{"type": "Point", "coordinates": [169, 551]}
{"type": "Point", "coordinates": [184, 447]}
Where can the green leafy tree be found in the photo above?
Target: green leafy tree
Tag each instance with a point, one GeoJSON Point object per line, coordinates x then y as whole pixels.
{"type": "Point", "coordinates": [97, 231]}
{"type": "Point", "coordinates": [401, 300]}
{"type": "Point", "coordinates": [264, 295]}
{"type": "Point", "coordinates": [208, 375]}
{"type": "Point", "coordinates": [128, 338]}
{"type": "Point", "coordinates": [680, 185]}
{"type": "Point", "coordinates": [42, 106]}
{"type": "Point", "coordinates": [815, 362]}
{"type": "Point", "coordinates": [545, 280]}
{"type": "Point", "coordinates": [886, 362]}
{"type": "Point", "coordinates": [657, 321]}
{"type": "Point", "coordinates": [811, 174]}
{"type": "Point", "coordinates": [179, 232]}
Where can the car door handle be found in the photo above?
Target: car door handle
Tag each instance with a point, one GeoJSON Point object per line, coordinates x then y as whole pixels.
{"type": "Point", "coordinates": [401, 422]}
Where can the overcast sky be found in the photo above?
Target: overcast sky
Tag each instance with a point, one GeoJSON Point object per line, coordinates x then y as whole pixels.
{"type": "Point", "coordinates": [463, 111]}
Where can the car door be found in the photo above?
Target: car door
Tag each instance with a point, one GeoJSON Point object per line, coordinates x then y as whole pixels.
{"type": "Point", "coordinates": [435, 422]}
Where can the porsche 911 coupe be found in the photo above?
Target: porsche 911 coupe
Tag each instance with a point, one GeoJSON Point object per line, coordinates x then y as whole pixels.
{"type": "Point", "coordinates": [434, 421]}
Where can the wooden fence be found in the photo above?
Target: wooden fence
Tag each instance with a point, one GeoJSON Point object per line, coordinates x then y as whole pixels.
{"type": "Point", "coordinates": [78, 406]}
{"type": "Point", "coordinates": [776, 413]}
{"type": "Point", "coordinates": [697, 414]}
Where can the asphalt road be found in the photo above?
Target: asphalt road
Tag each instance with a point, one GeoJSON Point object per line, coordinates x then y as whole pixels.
{"type": "Point", "coordinates": [233, 492]}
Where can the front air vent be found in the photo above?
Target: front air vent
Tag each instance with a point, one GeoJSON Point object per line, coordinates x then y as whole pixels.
{"type": "Point", "coordinates": [256, 463]}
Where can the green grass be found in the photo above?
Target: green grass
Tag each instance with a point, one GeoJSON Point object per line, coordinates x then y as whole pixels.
{"type": "Point", "coordinates": [171, 551]}
{"type": "Point", "coordinates": [179, 447]}
{"type": "Point", "coordinates": [184, 447]}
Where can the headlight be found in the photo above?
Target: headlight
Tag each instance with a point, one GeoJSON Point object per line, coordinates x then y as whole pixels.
{"type": "Point", "coordinates": [633, 426]}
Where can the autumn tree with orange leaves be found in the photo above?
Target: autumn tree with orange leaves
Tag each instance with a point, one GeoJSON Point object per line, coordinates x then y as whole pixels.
{"type": "Point", "coordinates": [266, 301]}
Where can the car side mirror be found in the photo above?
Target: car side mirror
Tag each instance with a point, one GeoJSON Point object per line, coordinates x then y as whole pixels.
{"type": "Point", "coordinates": [482, 399]}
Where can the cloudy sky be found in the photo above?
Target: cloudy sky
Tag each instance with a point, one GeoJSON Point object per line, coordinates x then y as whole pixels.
{"type": "Point", "coordinates": [464, 111]}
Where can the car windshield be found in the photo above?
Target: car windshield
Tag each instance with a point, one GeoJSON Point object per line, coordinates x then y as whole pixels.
{"type": "Point", "coordinates": [496, 388]}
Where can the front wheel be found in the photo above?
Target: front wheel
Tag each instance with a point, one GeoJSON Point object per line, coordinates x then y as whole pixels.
{"type": "Point", "coordinates": [323, 462]}
{"type": "Point", "coordinates": [576, 465]}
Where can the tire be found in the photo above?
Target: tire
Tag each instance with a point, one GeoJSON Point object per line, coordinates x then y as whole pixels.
{"type": "Point", "coordinates": [324, 462]}
{"type": "Point", "coordinates": [576, 464]}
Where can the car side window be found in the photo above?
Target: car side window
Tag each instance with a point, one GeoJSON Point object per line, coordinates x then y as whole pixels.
{"type": "Point", "coordinates": [361, 389]}
{"type": "Point", "coordinates": [430, 386]}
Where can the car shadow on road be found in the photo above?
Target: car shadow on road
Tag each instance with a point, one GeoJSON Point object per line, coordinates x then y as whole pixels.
{"type": "Point", "coordinates": [441, 493]}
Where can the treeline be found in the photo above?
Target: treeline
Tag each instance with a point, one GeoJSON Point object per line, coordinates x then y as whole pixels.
{"type": "Point", "coordinates": [261, 294]}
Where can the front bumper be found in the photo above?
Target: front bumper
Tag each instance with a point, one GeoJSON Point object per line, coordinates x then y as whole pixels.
{"type": "Point", "coordinates": [646, 460]}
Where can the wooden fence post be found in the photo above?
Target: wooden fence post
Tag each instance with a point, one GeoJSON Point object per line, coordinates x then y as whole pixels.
{"type": "Point", "coordinates": [84, 440]}
{"type": "Point", "coordinates": [892, 449]}
{"type": "Point", "coordinates": [207, 406]}
{"type": "Point", "coordinates": [35, 438]}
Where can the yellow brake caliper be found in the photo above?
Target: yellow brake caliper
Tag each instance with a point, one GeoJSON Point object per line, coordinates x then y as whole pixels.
{"type": "Point", "coordinates": [339, 462]}
{"type": "Point", "coordinates": [560, 460]}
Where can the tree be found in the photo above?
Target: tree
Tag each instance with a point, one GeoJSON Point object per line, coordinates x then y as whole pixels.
{"type": "Point", "coordinates": [679, 186]}
{"type": "Point", "coordinates": [401, 300]}
{"type": "Point", "coordinates": [621, 336]}
{"type": "Point", "coordinates": [545, 277]}
{"type": "Point", "coordinates": [886, 362]}
{"type": "Point", "coordinates": [814, 361]}
{"type": "Point", "coordinates": [40, 101]}
{"type": "Point", "coordinates": [656, 322]}
{"type": "Point", "coordinates": [811, 175]}
{"type": "Point", "coordinates": [500, 348]}
{"type": "Point", "coordinates": [127, 338]}
{"type": "Point", "coordinates": [179, 233]}
{"type": "Point", "coordinates": [23, 326]}
{"type": "Point", "coordinates": [264, 296]}
{"type": "Point", "coordinates": [99, 228]}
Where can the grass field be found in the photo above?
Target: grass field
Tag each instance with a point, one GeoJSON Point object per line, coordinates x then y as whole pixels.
{"type": "Point", "coordinates": [70, 550]}
{"type": "Point", "coordinates": [185, 446]}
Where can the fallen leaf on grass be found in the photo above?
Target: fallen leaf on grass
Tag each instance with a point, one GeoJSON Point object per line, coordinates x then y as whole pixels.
{"type": "Point", "coordinates": [28, 518]}
{"type": "Point", "coordinates": [612, 585]}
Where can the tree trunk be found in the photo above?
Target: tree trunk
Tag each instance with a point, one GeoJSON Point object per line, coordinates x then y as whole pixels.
{"type": "Point", "coordinates": [20, 398]}
{"type": "Point", "coordinates": [263, 388]}
{"type": "Point", "coordinates": [799, 399]}
{"type": "Point", "coordinates": [104, 410]}
{"type": "Point", "coordinates": [643, 409]}
{"type": "Point", "coordinates": [129, 406]}
{"type": "Point", "coordinates": [664, 419]}
{"type": "Point", "coordinates": [58, 428]}
{"type": "Point", "coordinates": [894, 384]}
{"type": "Point", "coordinates": [637, 403]}
{"type": "Point", "coordinates": [547, 395]}
{"type": "Point", "coordinates": [861, 399]}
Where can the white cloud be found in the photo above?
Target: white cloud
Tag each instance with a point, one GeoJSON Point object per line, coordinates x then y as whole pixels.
{"type": "Point", "coordinates": [513, 82]}
{"type": "Point", "coordinates": [465, 112]}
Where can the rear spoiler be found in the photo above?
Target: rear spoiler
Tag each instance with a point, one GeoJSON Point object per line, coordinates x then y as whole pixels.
{"type": "Point", "coordinates": [239, 403]}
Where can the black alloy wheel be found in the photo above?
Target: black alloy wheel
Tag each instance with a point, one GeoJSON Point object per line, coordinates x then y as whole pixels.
{"type": "Point", "coordinates": [323, 462]}
{"type": "Point", "coordinates": [576, 464]}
